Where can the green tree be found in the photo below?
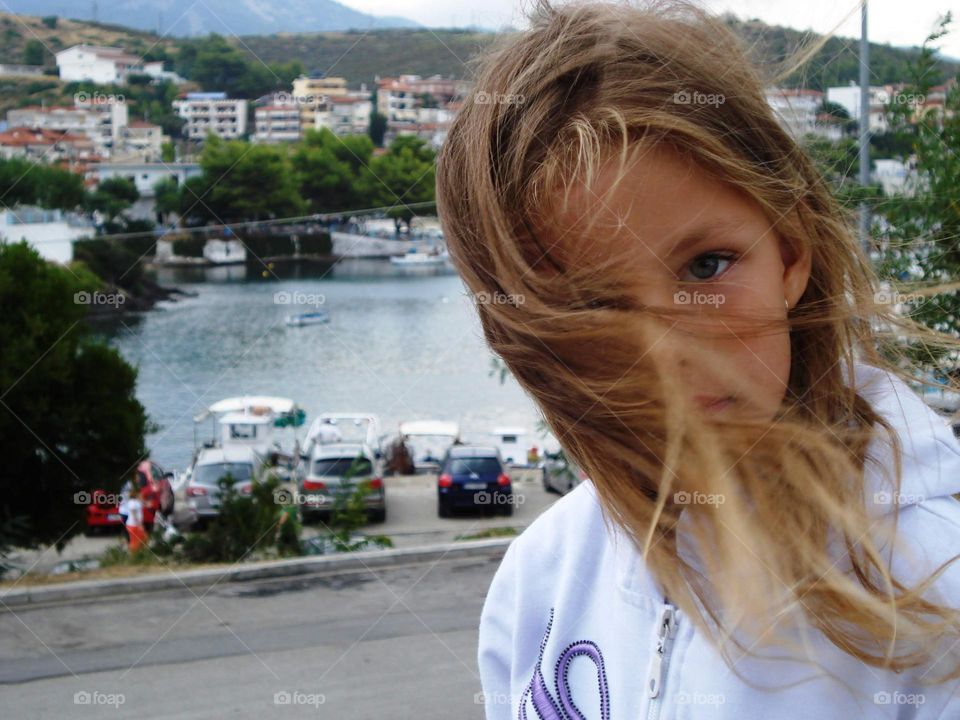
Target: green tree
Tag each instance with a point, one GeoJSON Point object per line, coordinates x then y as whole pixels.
{"type": "Point", "coordinates": [378, 127]}
{"type": "Point", "coordinates": [69, 416]}
{"type": "Point", "coordinates": [242, 181]}
{"type": "Point", "coordinates": [327, 167]}
{"type": "Point", "coordinates": [33, 53]}
{"type": "Point", "coordinates": [113, 196]}
{"type": "Point", "coordinates": [167, 196]}
{"type": "Point", "coordinates": [920, 236]}
{"type": "Point", "coordinates": [402, 176]}
{"type": "Point", "coordinates": [26, 183]}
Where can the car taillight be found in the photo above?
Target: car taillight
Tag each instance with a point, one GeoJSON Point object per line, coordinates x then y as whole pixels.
{"type": "Point", "coordinates": [194, 491]}
{"type": "Point", "coordinates": [503, 479]}
{"type": "Point", "coordinates": [246, 489]}
{"type": "Point", "coordinates": [445, 480]}
{"type": "Point", "coordinates": [314, 485]}
{"type": "Point", "coordinates": [376, 483]}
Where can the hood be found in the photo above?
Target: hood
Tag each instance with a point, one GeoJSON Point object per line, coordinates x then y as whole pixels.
{"type": "Point", "coordinates": [930, 454]}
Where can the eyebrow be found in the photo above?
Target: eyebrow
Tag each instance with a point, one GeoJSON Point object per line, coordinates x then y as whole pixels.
{"type": "Point", "coordinates": [700, 233]}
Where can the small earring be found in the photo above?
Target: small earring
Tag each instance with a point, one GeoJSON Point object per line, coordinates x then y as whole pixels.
{"type": "Point", "coordinates": [786, 304]}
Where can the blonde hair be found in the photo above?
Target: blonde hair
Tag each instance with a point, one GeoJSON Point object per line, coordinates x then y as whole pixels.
{"type": "Point", "coordinates": [595, 82]}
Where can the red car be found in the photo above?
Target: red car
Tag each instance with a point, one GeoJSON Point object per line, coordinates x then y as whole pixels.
{"type": "Point", "coordinates": [102, 508]}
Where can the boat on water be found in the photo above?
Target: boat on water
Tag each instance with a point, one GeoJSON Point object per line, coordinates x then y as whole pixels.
{"type": "Point", "coordinates": [416, 258]}
{"type": "Point", "coordinates": [310, 318]}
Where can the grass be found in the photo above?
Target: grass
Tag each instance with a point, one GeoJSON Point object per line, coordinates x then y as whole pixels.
{"type": "Point", "coordinates": [489, 533]}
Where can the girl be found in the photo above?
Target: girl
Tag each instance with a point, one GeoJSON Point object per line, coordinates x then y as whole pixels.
{"type": "Point", "coordinates": [136, 532]}
{"type": "Point", "coordinates": [769, 529]}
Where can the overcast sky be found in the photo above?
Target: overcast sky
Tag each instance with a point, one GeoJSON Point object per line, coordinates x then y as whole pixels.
{"type": "Point", "coordinates": [892, 21]}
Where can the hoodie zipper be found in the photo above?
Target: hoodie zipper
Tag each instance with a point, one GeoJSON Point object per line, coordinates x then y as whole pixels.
{"type": "Point", "coordinates": [666, 630]}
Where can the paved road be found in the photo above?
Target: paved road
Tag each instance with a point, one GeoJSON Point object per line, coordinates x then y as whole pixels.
{"type": "Point", "coordinates": [391, 643]}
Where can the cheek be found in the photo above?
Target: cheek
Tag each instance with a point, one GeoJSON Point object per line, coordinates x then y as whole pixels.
{"type": "Point", "coordinates": [764, 363]}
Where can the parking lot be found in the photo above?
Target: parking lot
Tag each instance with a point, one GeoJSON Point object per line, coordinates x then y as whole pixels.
{"type": "Point", "coordinates": [412, 519]}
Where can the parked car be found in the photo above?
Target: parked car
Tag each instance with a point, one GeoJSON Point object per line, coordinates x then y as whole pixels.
{"type": "Point", "coordinates": [473, 476]}
{"type": "Point", "coordinates": [157, 492]}
{"type": "Point", "coordinates": [560, 475]}
{"type": "Point", "coordinates": [333, 470]}
{"type": "Point", "coordinates": [243, 464]}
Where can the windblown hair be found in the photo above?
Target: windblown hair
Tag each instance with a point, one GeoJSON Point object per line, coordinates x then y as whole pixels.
{"type": "Point", "coordinates": [793, 540]}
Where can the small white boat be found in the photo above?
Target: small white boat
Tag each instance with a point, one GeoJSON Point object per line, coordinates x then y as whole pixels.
{"type": "Point", "coordinates": [310, 318]}
{"type": "Point", "coordinates": [415, 258]}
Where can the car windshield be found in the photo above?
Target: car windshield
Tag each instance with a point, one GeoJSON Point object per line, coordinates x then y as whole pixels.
{"type": "Point", "coordinates": [478, 465]}
{"type": "Point", "coordinates": [339, 467]}
{"type": "Point", "coordinates": [211, 474]}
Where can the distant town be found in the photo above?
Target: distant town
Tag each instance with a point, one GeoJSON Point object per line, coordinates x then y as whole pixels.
{"type": "Point", "coordinates": [97, 137]}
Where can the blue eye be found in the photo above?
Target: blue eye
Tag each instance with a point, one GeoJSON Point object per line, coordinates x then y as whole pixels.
{"type": "Point", "coordinates": [708, 266]}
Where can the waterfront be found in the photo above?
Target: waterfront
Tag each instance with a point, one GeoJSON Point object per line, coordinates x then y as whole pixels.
{"type": "Point", "coordinates": [404, 347]}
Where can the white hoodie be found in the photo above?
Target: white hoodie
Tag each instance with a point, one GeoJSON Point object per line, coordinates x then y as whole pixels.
{"type": "Point", "coordinates": [572, 623]}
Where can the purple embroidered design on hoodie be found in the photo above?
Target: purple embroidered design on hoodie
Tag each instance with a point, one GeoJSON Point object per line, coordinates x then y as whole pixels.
{"type": "Point", "coordinates": [563, 707]}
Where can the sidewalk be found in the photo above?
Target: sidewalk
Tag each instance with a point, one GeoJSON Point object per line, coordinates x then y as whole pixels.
{"type": "Point", "coordinates": [169, 578]}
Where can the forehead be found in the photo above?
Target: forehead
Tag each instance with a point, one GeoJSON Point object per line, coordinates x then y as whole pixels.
{"type": "Point", "coordinates": [640, 207]}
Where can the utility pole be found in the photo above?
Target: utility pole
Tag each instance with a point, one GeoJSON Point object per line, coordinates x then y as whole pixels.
{"type": "Point", "coordinates": [864, 126]}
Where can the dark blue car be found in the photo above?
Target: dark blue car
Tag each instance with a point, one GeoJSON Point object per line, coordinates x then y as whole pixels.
{"type": "Point", "coordinates": [473, 476]}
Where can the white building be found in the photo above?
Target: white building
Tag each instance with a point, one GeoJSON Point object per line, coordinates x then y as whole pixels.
{"type": "Point", "coordinates": [103, 65]}
{"type": "Point", "coordinates": [849, 97]}
{"type": "Point", "coordinates": [50, 232]}
{"type": "Point", "coordinates": [344, 115]}
{"type": "Point", "coordinates": [140, 142]}
{"type": "Point", "coordinates": [144, 176]}
{"type": "Point", "coordinates": [212, 112]}
{"type": "Point", "coordinates": [156, 71]}
{"type": "Point", "coordinates": [102, 122]}
{"type": "Point", "coordinates": [277, 123]}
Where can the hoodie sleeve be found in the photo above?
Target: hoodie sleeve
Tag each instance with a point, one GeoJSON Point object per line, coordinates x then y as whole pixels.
{"type": "Point", "coordinates": [933, 529]}
{"type": "Point", "coordinates": [496, 642]}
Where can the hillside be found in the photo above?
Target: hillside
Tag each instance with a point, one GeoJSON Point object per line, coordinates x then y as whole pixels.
{"type": "Point", "coordinates": [359, 55]}
{"type": "Point", "coordinates": [189, 18]}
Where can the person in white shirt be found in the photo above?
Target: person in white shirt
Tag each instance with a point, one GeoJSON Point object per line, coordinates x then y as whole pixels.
{"type": "Point", "coordinates": [136, 531]}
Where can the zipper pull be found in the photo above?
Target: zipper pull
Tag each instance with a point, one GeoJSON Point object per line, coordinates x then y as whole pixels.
{"type": "Point", "coordinates": [665, 633]}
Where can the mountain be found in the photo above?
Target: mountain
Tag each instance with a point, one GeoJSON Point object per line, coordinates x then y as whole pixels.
{"type": "Point", "coordinates": [184, 18]}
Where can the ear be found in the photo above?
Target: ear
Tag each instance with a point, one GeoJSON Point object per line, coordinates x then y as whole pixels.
{"type": "Point", "coordinates": [797, 261]}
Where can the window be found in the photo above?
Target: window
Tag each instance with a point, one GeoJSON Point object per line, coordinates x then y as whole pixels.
{"type": "Point", "coordinates": [243, 432]}
{"type": "Point", "coordinates": [339, 467]}
{"type": "Point", "coordinates": [478, 465]}
{"type": "Point", "coordinates": [211, 474]}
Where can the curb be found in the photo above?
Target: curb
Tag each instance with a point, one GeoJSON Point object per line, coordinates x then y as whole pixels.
{"type": "Point", "coordinates": [208, 577]}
